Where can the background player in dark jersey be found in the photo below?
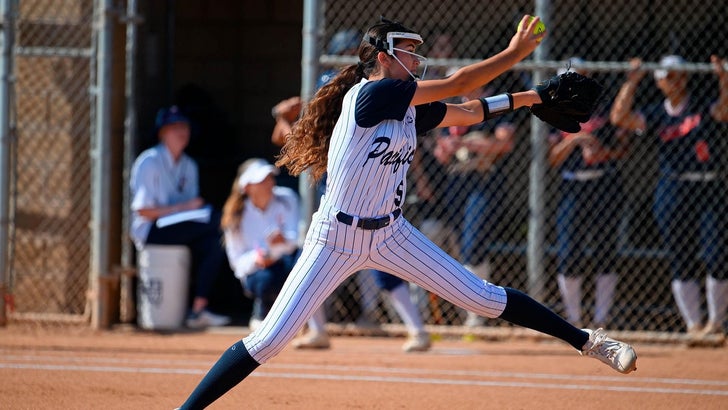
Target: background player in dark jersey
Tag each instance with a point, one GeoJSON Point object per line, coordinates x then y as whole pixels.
{"type": "Point", "coordinates": [690, 198]}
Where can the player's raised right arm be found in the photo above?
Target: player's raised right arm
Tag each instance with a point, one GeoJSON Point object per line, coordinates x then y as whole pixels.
{"type": "Point", "coordinates": [475, 75]}
{"type": "Point", "coordinates": [622, 115]}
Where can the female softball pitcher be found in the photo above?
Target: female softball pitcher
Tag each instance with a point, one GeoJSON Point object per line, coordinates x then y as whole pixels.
{"type": "Point", "coordinates": [367, 119]}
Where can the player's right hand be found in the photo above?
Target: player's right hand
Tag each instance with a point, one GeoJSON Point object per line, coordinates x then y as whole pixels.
{"type": "Point", "coordinates": [275, 238]}
{"type": "Point", "coordinates": [636, 73]}
{"type": "Point", "coordinates": [289, 108]}
{"type": "Point", "coordinates": [524, 41]}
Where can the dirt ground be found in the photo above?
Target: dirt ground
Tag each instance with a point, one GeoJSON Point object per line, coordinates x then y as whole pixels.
{"type": "Point", "coordinates": [61, 368]}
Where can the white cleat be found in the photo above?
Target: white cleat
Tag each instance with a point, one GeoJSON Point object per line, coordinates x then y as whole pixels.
{"type": "Point", "coordinates": [312, 340]}
{"type": "Point", "coordinates": [417, 343]}
{"type": "Point", "coordinates": [205, 318]}
{"type": "Point", "coordinates": [618, 355]}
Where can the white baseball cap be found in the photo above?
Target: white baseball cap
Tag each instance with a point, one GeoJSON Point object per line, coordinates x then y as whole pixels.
{"type": "Point", "coordinates": [668, 62]}
{"type": "Point", "coordinates": [256, 172]}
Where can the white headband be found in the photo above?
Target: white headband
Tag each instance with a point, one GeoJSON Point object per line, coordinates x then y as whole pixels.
{"type": "Point", "coordinates": [392, 35]}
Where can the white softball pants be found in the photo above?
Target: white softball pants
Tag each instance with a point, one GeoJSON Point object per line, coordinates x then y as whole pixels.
{"type": "Point", "coordinates": [333, 251]}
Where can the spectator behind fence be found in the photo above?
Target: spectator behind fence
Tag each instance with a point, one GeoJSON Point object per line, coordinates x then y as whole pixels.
{"type": "Point", "coordinates": [690, 198]}
{"type": "Point", "coordinates": [260, 223]}
{"type": "Point", "coordinates": [471, 154]}
{"type": "Point", "coordinates": [165, 183]}
{"type": "Point", "coordinates": [590, 206]}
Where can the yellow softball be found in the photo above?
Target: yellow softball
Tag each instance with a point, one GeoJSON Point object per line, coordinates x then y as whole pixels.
{"type": "Point", "coordinates": [540, 27]}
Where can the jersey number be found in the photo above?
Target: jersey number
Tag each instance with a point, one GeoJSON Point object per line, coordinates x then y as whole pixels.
{"type": "Point", "coordinates": [400, 191]}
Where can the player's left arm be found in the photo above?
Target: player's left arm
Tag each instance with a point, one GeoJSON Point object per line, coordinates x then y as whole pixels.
{"type": "Point", "coordinates": [719, 111]}
{"type": "Point", "coordinates": [474, 111]}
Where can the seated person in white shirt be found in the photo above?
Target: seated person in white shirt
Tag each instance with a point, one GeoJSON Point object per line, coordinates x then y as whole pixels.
{"type": "Point", "coordinates": [260, 223]}
{"type": "Point", "coordinates": [165, 181]}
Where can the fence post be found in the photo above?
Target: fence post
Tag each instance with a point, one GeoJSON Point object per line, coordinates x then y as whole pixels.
{"type": "Point", "coordinates": [309, 72]}
{"type": "Point", "coordinates": [537, 176]}
{"type": "Point", "coordinates": [130, 125]}
{"type": "Point", "coordinates": [101, 166]}
{"type": "Point", "coordinates": [6, 83]}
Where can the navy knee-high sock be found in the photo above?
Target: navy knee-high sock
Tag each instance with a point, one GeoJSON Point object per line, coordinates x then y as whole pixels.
{"type": "Point", "coordinates": [229, 370]}
{"type": "Point", "coordinates": [524, 311]}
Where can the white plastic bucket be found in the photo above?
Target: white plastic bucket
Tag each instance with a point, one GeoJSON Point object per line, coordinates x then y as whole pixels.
{"type": "Point", "coordinates": [163, 286]}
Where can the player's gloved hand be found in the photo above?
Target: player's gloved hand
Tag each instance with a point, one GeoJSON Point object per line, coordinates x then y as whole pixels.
{"type": "Point", "coordinates": [567, 100]}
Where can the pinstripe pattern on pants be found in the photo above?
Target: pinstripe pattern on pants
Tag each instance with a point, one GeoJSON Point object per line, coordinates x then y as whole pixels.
{"type": "Point", "coordinates": [333, 251]}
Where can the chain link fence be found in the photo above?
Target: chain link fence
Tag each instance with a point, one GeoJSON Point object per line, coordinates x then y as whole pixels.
{"type": "Point", "coordinates": [50, 191]}
{"type": "Point", "coordinates": [479, 207]}
{"type": "Point", "coordinates": [476, 205]}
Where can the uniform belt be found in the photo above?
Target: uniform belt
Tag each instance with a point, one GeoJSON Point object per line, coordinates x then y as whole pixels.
{"type": "Point", "coordinates": [369, 224]}
{"type": "Point", "coordinates": [584, 175]}
{"type": "Point", "coordinates": [696, 176]}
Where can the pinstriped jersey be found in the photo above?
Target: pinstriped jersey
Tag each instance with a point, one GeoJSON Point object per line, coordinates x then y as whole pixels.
{"type": "Point", "coordinates": [372, 145]}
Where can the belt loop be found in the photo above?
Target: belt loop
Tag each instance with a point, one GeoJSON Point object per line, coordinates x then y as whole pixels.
{"type": "Point", "coordinates": [391, 218]}
{"type": "Point", "coordinates": [354, 221]}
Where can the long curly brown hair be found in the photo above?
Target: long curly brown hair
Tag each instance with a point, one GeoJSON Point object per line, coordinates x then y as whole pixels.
{"type": "Point", "coordinates": [307, 146]}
